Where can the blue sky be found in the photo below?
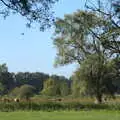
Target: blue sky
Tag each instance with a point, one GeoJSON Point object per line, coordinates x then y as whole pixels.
{"type": "Point", "coordinates": [34, 50]}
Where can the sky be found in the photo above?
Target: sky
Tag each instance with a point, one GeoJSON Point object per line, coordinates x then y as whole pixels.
{"type": "Point", "coordinates": [34, 51]}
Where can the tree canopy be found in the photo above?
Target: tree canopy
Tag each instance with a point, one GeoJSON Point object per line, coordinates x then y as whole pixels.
{"type": "Point", "coordinates": [35, 11]}
{"type": "Point", "coordinates": [109, 10]}
{"type": "Point", "coordinates": [56, 87]}
{"type": "Point", "coordinates": [74, 38]}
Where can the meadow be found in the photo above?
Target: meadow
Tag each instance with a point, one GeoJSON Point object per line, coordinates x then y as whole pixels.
{"type": "Point", "coordinates": [63, 115]}
{"type": "Point", "coordinates": [67, 109]}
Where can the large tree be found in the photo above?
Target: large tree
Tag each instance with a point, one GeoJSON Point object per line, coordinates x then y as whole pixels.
{"type": "Point", "coordinates": [35, 11]}
{"type": "Point", "coordinates": [79, 36]}
{"type": "Point", "coordinates": [98, 77]}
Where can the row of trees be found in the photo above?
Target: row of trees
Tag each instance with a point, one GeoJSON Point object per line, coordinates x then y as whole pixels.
{"type": "Point", "coordinates": [18, 84]}
{"type": "Point", "coordinates": [84, 82]}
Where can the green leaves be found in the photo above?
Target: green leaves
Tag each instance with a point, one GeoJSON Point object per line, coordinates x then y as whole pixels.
{"type": "Point", "coordinates": [109, 29]}
{"type": "Point", "coordinates": [25, 91]}
{"type": "Point", "coordinates": [35, 11]}
{"type": "Point", "coordinates": [74, 37]}
{"type": "Point", "coordinates": [54, 87]}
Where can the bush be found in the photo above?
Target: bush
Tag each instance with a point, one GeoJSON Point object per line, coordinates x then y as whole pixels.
{"type": "Point", "coordinates": [25, 91]}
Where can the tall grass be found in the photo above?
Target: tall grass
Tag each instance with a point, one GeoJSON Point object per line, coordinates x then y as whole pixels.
{"type": "Point", "coordinates": [55, 106]}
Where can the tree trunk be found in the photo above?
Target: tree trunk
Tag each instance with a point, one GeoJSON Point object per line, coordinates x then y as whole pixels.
{"type": "Point", "coordinates": [98, 99]}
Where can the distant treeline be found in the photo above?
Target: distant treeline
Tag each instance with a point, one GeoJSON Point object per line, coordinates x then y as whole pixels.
{"type": "Point", "coordinates": [40, 81]}
{"type": "Point", "coordinates": [28, 84]}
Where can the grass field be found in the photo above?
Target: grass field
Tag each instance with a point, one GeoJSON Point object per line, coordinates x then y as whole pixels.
{"type": "Point", "coordinates": [72, 115]}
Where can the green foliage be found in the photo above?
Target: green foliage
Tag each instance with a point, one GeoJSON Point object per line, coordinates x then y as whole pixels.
{"type": "Point", "coordinates": [10, 82]}
{"type": "Point", "coordinates": [3, 68]}
{"type": "Point", "coordinates": [64, 89]}
{"type": "Point", "coordinates": [98, 74]}
{"type": "Point", "coordinates": [110, 34]}
{"type": "Point", "coordinates": [79, 87]}
{"type": "Point", "coordinates": [15, 92]}
{"type": "Point", "coordinates": [35, 79]}
{"type": "Point", "coordinates": [2, 88]}
{"type": "Point", "coordinates": [73, 38]}
{"type": "Point", "coordinates": [6, 79]}
{"type": "Point", "coordinates": [53, 87]}
{"type": "Point", "coordinates": [55, 106]}
{"type": "Point", "coordinates": [25, 91]}
{"type": "Point", "coordinates": [35, 11]}
{"type": "Point", "coordinates": [50, 87]}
